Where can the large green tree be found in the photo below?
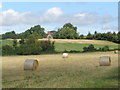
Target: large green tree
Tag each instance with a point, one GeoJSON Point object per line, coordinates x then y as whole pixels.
{"type": "Point", "coordinates": [68, 31]}
{"type": "Point", "coordinates": [11, 35]}
{"type": "Point", "coordinates": [36, 29]}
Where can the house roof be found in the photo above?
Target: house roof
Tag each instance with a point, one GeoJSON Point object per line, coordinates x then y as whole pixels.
{"type": "Point", "coordinates": [45, 36]}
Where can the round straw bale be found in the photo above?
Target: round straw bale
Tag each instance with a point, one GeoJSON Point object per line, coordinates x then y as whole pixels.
{"type": "Point", "coordinates": [105, 61]}
{"type": "Point", "coordinates": [116, 51]}
{"type": "Point", "coordinates": [30, 64]}
{"type": "Point", "coordinates": [65, 55]}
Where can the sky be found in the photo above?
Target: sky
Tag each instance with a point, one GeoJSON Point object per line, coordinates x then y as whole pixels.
{"type": "Point", "coordinates": [86, 16]}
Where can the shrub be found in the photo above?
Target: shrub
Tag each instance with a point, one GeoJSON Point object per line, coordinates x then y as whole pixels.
{"type": "Point", "coordinates": [90, 48]}
{"type": "Point", "coordinates": [35, 48]}
{"type": "Point", "coordinates": [105, 48]}
{"type": "Point", "coordinates": [74, 51]}
{"type": "Point", "coordinates": [29, 49]}
{"type": "Point", "coordinates": [47, 45]}
{"type": "Point", "coordinates": [8, 50]}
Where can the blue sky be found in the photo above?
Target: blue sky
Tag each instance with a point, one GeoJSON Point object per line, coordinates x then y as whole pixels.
{"type": "Point", "coordinates": [87, 16]}
{"type": "Point", "coordinates": [67, 7]}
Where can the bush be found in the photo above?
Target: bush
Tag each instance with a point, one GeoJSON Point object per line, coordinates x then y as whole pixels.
{"type": "Point", "coordinates": [90, 48]}
{"type": "Point", "coordinates": [74, 51]}
{"type": "Point", "coordinates": [105, 48]}
{"type": "Point", "coordinates": [47, 45]}
{"type": "Point", "coordinates": [35, 48]}
{"type": "Point", "coordinates": [8, 50]}
{"type": "Point", "coordinates": [29, 49]}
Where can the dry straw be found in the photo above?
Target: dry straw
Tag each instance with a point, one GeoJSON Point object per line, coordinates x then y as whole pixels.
{"type": "Point", "coordinates": [105, 61]}
{"type": "Point", "coordinates": [65, 55]}
{"type": "Point", "coordinates": [116, 51]}
{"type": "Point", "coordinates": [30, 64]}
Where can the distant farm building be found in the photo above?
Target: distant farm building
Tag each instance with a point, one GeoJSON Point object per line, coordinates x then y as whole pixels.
{"type": "Point", "coordinates": [48, 36]}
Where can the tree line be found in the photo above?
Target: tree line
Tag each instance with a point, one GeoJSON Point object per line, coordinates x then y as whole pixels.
{"type": "Point", "coordinates": [114, 37]}
{"type": "Point", "coordinates": [68, 31]}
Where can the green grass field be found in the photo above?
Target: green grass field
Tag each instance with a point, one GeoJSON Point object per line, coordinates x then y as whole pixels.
{"type": "Point", "coordinates": [77, 71]}
{"type": "Point", "coordinates": [6, 42]}
{"type": "Point", "coordinates": [60, 46]}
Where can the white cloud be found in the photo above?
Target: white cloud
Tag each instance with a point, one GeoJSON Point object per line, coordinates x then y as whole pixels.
{"type": "Point", "coordinates": [28, 18]}
{"type": "Point", "coordinates": [53, 15]}
{"type": "Point", "coordinates": [106, 19]}
{"type": "Point", "coordinates": [92, 18]}
{"type": "Point", "coordinates": [80, 15]}
{"type": "Point", "coordinates": [11, 17]}
{"type": "Point", "coordinates": [85, 18]}
{"type": "Point", "coordinates": [54, 11]}
{"type": "Point", "coordinates": [110, 27]}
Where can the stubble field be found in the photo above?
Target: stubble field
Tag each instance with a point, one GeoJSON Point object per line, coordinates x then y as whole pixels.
{"type": "Point", "coordinates": [77, 71]}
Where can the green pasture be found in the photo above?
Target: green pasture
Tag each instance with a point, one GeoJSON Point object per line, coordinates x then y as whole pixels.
{"type": "Point", "coordinates": [61, 47]}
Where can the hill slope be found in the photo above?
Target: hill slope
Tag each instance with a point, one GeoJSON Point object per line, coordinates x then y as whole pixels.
{"type": "Point", "coordinates": [70, 44]}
